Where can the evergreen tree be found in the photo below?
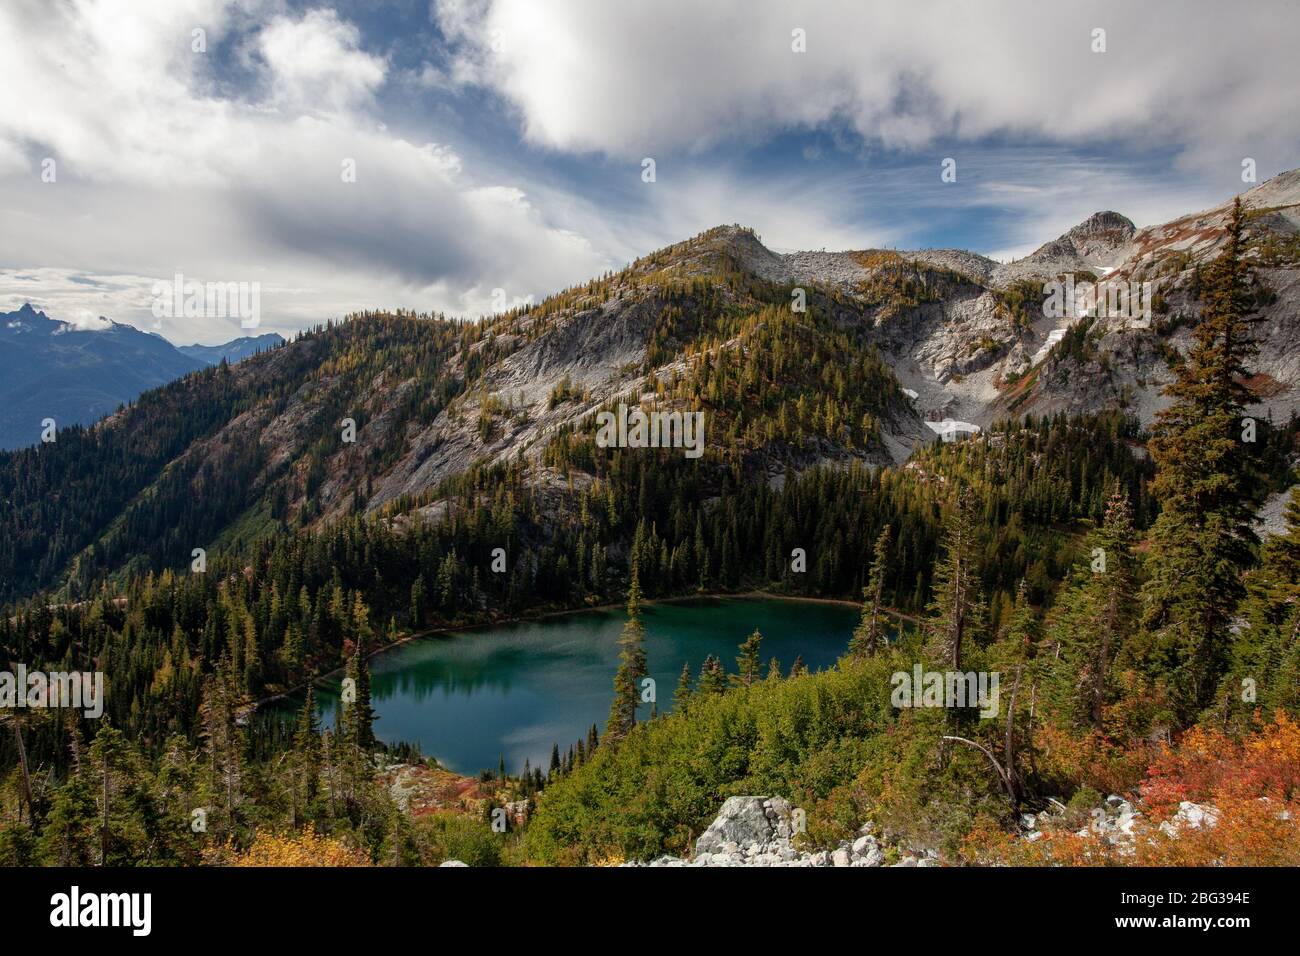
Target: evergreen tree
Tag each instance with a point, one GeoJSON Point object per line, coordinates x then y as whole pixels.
{"type": "Point", "coordinates": [682, 695]}
{"type": "Point", "coordinates": [68, 837]}
{"type": "Point", "coordinates": [956, 614]}
{"type": "Point", "coordinates": [224, 738]}
{"type": "Point", "coordinates": [1265, 672]}
{"type": "Point", "coordinates": [1208, 488]}
{"type": "Point", "coordinates": [712, 678]}
{"type": "Point", "coordinates": [872, 630]}
{"type": "Point", "coordinates": [749, 661]}
{"type": "Point", "coordinates": [359, 714]}
{"type": "Point", "coordinates": [306, 743]}
{"type": "Point", "coordinates": [631, 668]}
{"type": "Point", "coordinates": [108, 758]}
{"type": "Point", "coordinates": [418, 599]}
{"type": "Point", "coordinates": [1110, 595]}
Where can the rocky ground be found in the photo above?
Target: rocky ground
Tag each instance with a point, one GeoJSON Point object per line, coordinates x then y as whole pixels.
{"type": "Point", "coordinates": [1117, 821]}
{"type": "Point", "coordinates": [764, 831]}
{"type": "Point", "coordinates": [1271, 519]}
{"type": "Point", "coordinates": [421, 789]}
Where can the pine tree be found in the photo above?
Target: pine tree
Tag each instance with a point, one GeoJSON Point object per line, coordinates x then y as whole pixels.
{"type": "Point", "coordinates": [872, 630]}
{"type": "Point", "coordinates": [306, 745]}
{"type": "Point", "coordinates": [68, 837]}
{"type": "Point", "coordinates": [682, 695]}
{"type": "Point", "coordinates": [222, 733]}
{"type": "Point", "coordinates": [359, 714]}
{"type": "Point", "coordinates": [956, 615]}
{"type": "Point", "coordinates": [712, 678]}
{"type": "Point", "coordinates": [1265, 673]}
{"type": "Point", "coordinates": [631, 668]}
{"type": "Point", "coordinates": [108, 757]}
{"type": "Point", "coordinates": [749, 661]}
{"type": "Point", "coordinates": [1012, 657]}
{"type": "Point", "coordinates": [1207, 485]}
{"type": "Point", "coordinates": [418, 599]}
{"type": "Point", "coordinates": [1110, 601]}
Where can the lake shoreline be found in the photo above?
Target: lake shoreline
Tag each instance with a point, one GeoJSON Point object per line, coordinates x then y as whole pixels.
{"type": "Point", "coordinates": [545, 615]}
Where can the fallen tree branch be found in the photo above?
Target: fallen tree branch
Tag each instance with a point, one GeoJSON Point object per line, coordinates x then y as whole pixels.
{"type": "Point", "coordinates": [1002, 774]}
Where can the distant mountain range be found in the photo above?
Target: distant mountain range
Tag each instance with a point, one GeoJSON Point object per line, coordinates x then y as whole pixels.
{"type": "Point", "coordinates": [233, 351]}
{"type": "Point", "coordinates": [54, 370]}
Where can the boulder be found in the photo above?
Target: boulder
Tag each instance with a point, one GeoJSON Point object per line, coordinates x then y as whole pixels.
{"type": "Point", "coordinates": [743, 821]}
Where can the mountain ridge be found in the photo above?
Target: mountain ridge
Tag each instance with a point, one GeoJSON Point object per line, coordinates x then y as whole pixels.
{"type": "Point", "coordinates": [52, 369]}
{"type": "Point", "coordinates": [887, 341]}
{"type": "Point", "coordinates": [236, 350]}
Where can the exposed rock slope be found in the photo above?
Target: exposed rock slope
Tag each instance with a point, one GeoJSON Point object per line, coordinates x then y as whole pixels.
{"type": "Point", "coordinates": [961, 338]}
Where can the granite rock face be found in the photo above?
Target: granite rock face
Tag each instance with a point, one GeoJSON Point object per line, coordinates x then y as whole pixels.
{"type": "Point", "coordinates": [763, 831]}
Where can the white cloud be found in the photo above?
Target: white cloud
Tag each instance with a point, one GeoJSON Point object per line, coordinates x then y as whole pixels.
{"type": "Point", "coordinates": [314, 62]}
{"type": "Point", "coordinates": [159, 174]}
{"type": "Point", "coordinates": [650, 78]}
{"type": "Point", "coordinates": [225, 166]}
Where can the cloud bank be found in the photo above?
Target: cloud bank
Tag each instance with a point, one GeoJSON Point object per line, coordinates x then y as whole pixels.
{"type": "Point", "coordinates": [303, 147]}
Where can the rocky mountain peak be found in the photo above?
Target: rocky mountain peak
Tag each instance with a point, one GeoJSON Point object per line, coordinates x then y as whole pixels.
{"type": "Point", "coordinates": [1097, 239]}
{"type": "Point", "coordinates": [28, 320]}
{"type": "Point", "coordinates": [1107, 225]}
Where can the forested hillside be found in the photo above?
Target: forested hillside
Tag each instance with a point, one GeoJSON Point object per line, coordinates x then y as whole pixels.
{"type": "Point", "coordinates": [320, 549]}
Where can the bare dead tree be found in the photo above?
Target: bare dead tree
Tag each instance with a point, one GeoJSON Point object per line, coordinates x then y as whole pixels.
{"type": "Point", "coordinates": [22, 764]}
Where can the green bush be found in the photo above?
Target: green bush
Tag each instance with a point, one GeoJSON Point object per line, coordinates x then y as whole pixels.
{"type": "Point", "coordinates": [829, 742]}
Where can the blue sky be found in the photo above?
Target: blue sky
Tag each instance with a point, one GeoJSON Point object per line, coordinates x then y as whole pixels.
{"type": "Point", "coordinates": [498, 144]}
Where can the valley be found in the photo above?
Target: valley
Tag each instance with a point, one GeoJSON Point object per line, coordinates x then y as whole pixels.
{"type": "Point", "coordinates": [922, 437]}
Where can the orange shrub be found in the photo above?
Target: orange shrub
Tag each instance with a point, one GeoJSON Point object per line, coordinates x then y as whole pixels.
{"type": "Point", "coordinates": [1249, 832]}
{"type": "Point", "coordinates": [296, 849]}
{"type": "Point", "coordinates": [1210, 766]}
{"type": "Point", "coordinates": [1089, 760]}
{"type": "Point", "coordinates": [1254, 783]}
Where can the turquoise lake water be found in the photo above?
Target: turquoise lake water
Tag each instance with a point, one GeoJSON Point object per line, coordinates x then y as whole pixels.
{"type": "Point", "coordinates": [471, 697]}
